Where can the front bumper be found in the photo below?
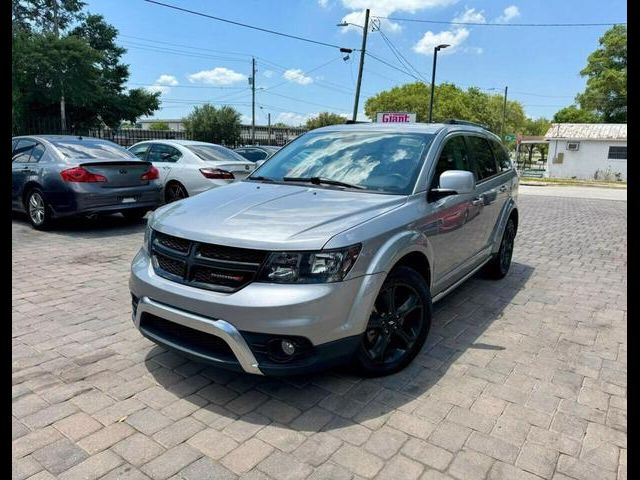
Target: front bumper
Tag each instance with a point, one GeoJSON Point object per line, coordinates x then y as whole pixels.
{"type": "Point", "coordinates": [329, 317]}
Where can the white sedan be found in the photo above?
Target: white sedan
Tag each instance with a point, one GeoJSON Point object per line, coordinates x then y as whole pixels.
{"type": "Point", "coordinates": [188, 167]}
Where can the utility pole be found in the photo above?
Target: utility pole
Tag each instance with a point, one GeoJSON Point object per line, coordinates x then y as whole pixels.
{"type": "Point", "coordinates": [362, 52]}
{"type": "Point", "coordinates": [504, 111]}
{"type": "Point", "coordinates": [253, 101]}
{"type": "Point", "coordinates": [56, 31]}
{"type": "Point", "coordinates": [269, 127]}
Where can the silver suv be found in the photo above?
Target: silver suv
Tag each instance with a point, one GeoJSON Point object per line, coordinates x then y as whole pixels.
{"type": "Point", "coordinates": [332, 251]}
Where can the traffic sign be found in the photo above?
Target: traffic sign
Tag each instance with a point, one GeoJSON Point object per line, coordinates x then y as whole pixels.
{"type": "Point", "coordinates": [509, 137]}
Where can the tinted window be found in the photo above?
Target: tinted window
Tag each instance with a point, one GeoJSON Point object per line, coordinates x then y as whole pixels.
{"type": "Point", "coordinates": [36, 153]}
{"type": "Point", "coordinates": [618, 153]}
{"type": "Point", "coordinates": [163, 153]}
{"type": "Point", "coordinates": [140, 150]}
{"type": "Point", "coordinates": [484, 162]}
{"type": "Point", "coordinates": [215, 153]}
{"type": "Point", "coordinates": [253, 154]}
{"type": "Point", "coordinates": [502, 156]}
{"type": "Point", "coordinates": [387, 162]}
{"type": "Point", "coordinates": [454, 156]}
{"type": "Point", "coordinates": [22, 152]}
{"type": "Point", "coordinates": [92, 149]}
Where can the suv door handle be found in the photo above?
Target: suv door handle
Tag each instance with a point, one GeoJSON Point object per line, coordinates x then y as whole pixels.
{"type": "Point", "coordinates": [476, 202]}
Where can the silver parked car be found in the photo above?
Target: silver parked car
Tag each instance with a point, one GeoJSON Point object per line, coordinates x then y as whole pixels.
{"type": "Point", "coordinates": [188, 167]}
{"type": "Point", "coordinates": [332, 251]}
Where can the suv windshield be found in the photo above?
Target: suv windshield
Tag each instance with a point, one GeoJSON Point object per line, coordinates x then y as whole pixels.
{"type": "Point", "coordinates": [385, 162]}
{"type": "Point", "coordinates": [215, 153]}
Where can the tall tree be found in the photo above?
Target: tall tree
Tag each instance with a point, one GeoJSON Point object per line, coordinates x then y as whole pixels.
{"type": "Point", "coordinates": [574, 114]}
{"type": "Point", "coordinates": [216, 125]}
{"type": "Point", "coordinates": [606, 73]}
{"type": "Point", "coordinates": [65, 60]}
{"type": "Point", "coordinates": [324, 119]}
{"type": "Point", "coordinates": [450, 102]}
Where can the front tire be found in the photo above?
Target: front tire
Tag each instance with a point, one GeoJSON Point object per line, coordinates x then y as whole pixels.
{"type": "Point", "coordinates": [498, 266]}
{"type": "Point", "coordinates": [38, 211]}
{"type": "Point", "coordinates": [398, 325]}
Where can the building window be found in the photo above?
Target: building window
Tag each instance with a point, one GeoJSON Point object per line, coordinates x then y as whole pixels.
{"type": "Point", "coordinates": [617, 153]}
{"type": "Point", "coordinates": [573, 146]}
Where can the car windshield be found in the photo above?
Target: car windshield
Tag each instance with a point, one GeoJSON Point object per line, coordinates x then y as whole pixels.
{"type": "Point", "coordinates": [386, 162]}
{"type": "Point", "coordinates": [215, 153]}
{"type": "Point", "coordinates": [91, 149]}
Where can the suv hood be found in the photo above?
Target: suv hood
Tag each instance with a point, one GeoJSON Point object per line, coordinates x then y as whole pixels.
{"type": "Point", "coordinates": [270, 216]}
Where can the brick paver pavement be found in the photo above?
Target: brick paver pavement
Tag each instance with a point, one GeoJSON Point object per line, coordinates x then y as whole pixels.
{"type": "Point", "coordinates": [523, 378]}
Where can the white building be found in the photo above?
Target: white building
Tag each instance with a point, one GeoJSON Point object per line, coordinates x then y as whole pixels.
{"type": "Point", "coordinates": [587, 151]}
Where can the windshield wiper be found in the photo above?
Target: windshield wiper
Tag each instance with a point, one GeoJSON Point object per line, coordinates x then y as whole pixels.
{"type": "Point", "coordinates": [260, 177]}
{"type": "Point", "coordinates": [321, 180]}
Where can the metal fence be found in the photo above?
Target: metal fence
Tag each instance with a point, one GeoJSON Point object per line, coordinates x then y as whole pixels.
{"type": "Point", "coordinates": [128, 136]}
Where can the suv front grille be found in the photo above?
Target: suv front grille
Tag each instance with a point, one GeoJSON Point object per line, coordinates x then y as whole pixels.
{"type": "Point", "coordinates": [203, 265]}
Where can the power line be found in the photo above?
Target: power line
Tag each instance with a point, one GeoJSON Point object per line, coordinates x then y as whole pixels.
{"type": "Point", "coordinates": [488, 24]}
{"type": "Point", "coordinates": [266, 30]}
{"type": "Point", "coordinates": [303, 101]}
{"type": "Point", "coordinates": [398, 54]}
{"type": "Point", "coordinates": [392, 66]}
{"type": "Point", "coordinates": [184, 86]}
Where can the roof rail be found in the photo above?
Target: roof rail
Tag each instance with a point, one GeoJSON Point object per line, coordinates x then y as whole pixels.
{"type": "Point", "coordinates": [352, 122]}
{"type": "Point", "coordinates": [455, 121]}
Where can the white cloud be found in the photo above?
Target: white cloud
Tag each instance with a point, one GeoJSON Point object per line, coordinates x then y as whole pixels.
{"type": "Point", "coordinates": [297, 76]}
{"type": "Point", "coordinates": [508, 14]}
{"type": "Point", "coordinates": [163, 89]}
{"type": "Point", "coordinates": [268, 73]}
{"type": "Point", "coordinates": [217, 76]}
{"type": "Point", "coordinates": [165, 79]}
{"type": "Point", "coordinates": [293, 119]}
{"type": "Point", "coordinates": [323, 3]}
{"type": "Point", "coordinates": [385, 8]}
{"type": "Point", "coordinates": [471, 15]}
{"type": "Point", "coordinates": [430, 40]}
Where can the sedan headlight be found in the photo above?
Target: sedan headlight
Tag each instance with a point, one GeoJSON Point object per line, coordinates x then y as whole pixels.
{"type": "Point", "coordinates": [309, 267]}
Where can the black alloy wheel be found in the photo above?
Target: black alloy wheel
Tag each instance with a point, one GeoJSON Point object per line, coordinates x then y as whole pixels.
{"type": "Point", "coordinates": [498, 266]}
{"type": "Point", "coordinates": [398, 324]}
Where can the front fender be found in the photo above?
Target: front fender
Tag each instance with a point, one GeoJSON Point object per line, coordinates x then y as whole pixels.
{"type": "Point", "coordinates": [397, 246]}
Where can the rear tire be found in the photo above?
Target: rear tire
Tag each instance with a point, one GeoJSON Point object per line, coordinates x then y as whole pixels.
{"type": "Point", "coordinates": [498, 266]}
{"type": "Point", "coordinates": [38, 211]}
{"type": "Point", "coordinates": [398, 325]}
{"type": "Point", "coordinates": [134, 213]}
{"type": "Point", "coordinates": [174, 191]}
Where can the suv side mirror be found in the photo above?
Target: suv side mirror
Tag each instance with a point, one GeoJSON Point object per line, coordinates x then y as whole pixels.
{"type": "Point", "coordinates": [453, 182]}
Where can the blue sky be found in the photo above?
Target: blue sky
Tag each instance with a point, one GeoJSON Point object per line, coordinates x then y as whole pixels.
{"type": "Point", "coordinates": [192, 60]}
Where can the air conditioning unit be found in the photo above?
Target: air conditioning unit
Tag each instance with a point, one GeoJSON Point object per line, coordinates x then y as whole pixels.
{"type": "Point", "coordinates": [558, 158]}
{"type": "Point", "coordinates": [573, 146]}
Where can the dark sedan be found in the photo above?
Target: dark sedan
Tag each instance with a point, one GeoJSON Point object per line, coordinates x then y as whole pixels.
{"type": "Point", "coordinates": [59, 175]}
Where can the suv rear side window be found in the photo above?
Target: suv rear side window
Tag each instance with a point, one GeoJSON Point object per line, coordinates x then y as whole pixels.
{"type": "Point", "coordinates": [22, 151]}
{"type": "Point", "coordinates": [454, 156]}
{"type": "Point", "coordinates": [483, 156]}
{"type": "Point", "coordinates": [502, 156]}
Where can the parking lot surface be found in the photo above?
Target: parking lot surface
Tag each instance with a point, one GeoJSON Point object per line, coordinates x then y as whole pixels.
{"type": "Point", "coordinates": [523, 378]}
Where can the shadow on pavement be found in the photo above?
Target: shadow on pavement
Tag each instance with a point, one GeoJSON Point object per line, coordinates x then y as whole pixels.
{"type": "Point", "coordinates": [347, 399]}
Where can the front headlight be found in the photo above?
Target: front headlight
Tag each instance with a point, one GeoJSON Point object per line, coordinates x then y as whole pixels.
{"type": "Point", "coordinates": [309, 267]}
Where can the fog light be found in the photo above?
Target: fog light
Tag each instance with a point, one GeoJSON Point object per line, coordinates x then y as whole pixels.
{"type": "Point", "coordinates": [287, 347]}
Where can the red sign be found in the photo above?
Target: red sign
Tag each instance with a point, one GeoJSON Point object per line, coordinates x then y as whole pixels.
{"type": "Point", "coordinates": [396, 117]}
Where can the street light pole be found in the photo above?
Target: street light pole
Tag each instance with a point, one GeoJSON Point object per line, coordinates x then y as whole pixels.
{"type": "Point", "coordinates": [362, 52]}
{"type": "Point", "coordinates": [253, 101]}
{"type": "Point", "coordinates": [433, 77]}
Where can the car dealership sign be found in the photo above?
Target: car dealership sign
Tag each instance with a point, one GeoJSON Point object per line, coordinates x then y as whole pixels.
{"type": "Point", "coordinates": [395, 117]}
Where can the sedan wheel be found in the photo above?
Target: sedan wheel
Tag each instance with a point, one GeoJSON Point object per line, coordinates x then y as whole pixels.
{"type": "Point", "coordinates": [175, 192]}
{"type": "Point", "coordinates": [37, 210]}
